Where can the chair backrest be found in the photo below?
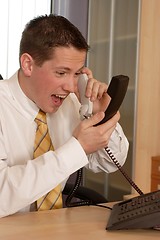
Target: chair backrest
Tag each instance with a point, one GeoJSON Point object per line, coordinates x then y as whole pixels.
{"type": "Point", "coordinates": [80, 195]}
{"type": "Point", "coordinates": [1, 77]}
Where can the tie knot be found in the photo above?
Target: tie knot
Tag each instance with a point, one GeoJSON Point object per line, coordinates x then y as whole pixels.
{"type": "Point", "coordinates": [41, 117]}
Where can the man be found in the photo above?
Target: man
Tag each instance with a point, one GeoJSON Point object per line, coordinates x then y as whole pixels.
{"type": "Point", "coordinates": [52, 56]}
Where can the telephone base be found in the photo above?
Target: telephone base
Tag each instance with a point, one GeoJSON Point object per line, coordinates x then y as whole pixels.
{"type": "Point", "coordinates": [136, 213]}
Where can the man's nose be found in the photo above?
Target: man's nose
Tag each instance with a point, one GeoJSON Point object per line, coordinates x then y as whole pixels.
{"type": "Point", "coordinates": [71, 84]}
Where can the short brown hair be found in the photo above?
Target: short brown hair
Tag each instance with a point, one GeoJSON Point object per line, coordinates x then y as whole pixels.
{"type": "Point", "coordinates": [44, 33]}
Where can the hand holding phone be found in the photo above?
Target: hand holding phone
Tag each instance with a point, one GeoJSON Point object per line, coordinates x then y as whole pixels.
{"type": "Point", "coordinates": [116, 90]}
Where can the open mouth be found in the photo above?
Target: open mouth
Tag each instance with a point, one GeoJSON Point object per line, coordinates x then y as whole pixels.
{"type": "Point", "coordinates": [58, 99]}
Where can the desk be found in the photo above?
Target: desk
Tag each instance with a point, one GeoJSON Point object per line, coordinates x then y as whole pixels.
{"type": "Point", "coordinates": [78, 223]}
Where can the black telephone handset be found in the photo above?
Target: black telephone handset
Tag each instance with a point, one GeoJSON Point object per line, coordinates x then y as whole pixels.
{"type": "Point", "coordinates": [117, 90]}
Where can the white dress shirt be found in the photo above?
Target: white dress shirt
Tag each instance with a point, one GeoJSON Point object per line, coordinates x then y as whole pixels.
{"type": "Point", "coordinates": [24, 180]}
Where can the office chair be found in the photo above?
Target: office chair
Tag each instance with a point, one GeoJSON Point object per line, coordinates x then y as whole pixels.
{"type": "Point", "coordinates": [74, 194]}
{"type": "Point", "coordinates": [1, 77]}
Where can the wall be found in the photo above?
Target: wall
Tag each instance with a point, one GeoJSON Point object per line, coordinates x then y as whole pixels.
{"type": "Point", "coordinates": [148, 95]}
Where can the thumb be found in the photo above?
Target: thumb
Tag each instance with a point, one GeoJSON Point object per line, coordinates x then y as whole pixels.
{"type": "Point", "coordinates": [96, 118]}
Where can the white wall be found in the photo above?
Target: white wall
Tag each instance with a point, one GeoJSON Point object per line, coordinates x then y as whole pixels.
{"type": "Point", "coordinates": [14, 15]}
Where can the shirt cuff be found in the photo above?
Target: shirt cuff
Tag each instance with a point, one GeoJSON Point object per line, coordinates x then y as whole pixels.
{"type": "Point", "coordinates": [72, 155]}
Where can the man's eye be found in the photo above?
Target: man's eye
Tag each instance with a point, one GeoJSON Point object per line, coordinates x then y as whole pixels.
{"type": "Point", "coordinates": [60, 73]}
{"type": "Point", "coordinates": [77, 74]}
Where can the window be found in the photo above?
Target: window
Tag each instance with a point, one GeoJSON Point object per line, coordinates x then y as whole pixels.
{"type": "Point", "coordinates": [14, 16]}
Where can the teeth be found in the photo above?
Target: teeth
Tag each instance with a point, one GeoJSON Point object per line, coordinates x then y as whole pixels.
{"type": "Point", "coordinates": [60, 96]}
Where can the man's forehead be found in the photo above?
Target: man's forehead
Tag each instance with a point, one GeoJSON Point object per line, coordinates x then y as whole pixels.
{"type": "Point", "coordinates": [69, 50]}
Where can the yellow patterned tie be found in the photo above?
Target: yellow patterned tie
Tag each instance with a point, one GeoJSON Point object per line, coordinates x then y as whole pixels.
{"type": "Point", "coordinates": [43, 144]}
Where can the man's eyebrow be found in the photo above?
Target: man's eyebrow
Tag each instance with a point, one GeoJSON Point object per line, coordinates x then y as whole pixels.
{"type": "Point", "coordinates": [62, 67]}
{"type": "Point", "coordinates": [68, 69]}
{"type": "Point", "coordinates": [81, 68]}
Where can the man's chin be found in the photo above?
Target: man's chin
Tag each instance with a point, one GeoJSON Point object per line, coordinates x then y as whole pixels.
{"type": "Point", "coordinates": [53, 109]}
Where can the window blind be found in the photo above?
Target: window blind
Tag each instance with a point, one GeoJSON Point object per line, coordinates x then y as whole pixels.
{"type": "Point", "coordinates": [13, 18]}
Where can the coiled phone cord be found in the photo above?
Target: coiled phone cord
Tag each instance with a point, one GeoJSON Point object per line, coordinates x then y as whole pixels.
{"type": "Point", "coordinates": [114, 160]}
{"type": "Point", "coordinates": [79, 177]}
{"type": "Point", "coordinates": [73, 191]}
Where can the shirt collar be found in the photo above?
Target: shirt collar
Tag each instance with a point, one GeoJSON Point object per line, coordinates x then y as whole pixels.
{"type": "Point", "coordinates": [26, 106]}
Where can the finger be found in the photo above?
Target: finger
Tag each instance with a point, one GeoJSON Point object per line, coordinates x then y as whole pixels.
{"type": "Point", "coordinates": [108, 134]}
{"type": "Point", "coordinates": [102, 90]}
{"type": "Point", "coordinates": [112, 121]}
{"type": "Point", "coordinates": [116, 117]}
{"type": "Point", "coordinates": [96, 118]}
{"type": "Point", "coordinates": [92, 89]}
{"type": "Point", "coordinates": [95, 91]}
{"type": "Point", "coordinates": [88, 72]}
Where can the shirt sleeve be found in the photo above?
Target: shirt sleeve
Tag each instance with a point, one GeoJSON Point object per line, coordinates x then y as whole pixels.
{"type": "Point", "coordinates": [22, 184]}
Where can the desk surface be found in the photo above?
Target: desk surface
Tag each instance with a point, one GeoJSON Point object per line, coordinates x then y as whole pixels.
{"type": "Point", "coordinates": [88, 222]}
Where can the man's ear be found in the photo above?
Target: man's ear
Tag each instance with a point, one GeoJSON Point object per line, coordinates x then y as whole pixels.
{"type": "Point", "coordinates": [26, 64]}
